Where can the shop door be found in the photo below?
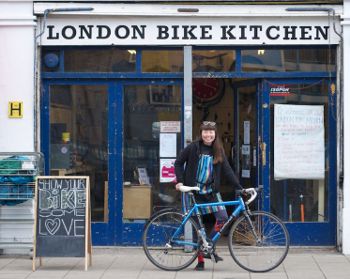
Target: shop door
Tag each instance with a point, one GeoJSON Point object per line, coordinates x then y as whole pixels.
{"type": "Point", "coordinates": [297, 156]}
{"type": "Point", "coordinates": [148, 140]}
{"type": "Point", "coordinates": [76, 126]}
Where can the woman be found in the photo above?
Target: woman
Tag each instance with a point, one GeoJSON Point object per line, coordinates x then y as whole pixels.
{"type": "Point", "coordinates": [205, 160]}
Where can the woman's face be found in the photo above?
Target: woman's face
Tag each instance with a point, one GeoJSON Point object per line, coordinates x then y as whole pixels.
{"type": "Point", "coordinates": [208, 136]}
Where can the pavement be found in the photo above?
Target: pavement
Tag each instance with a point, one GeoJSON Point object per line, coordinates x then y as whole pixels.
{"type": "Point", "coordinates": [131, 263]}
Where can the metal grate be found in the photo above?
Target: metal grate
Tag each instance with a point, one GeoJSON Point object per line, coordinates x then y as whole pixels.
{"type": "Point", "coordinates": [17, 184]}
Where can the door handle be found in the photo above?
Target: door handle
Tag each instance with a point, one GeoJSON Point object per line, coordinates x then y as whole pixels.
{"type": "Point", "coordinates": [263, 153]}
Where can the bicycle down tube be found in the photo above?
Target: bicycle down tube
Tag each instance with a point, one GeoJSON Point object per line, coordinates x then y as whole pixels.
{"type": "Point", "coordinates": [240, 207]}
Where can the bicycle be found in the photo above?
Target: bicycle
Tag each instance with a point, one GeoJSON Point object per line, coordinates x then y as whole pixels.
{"type": "Point", "coordinates": [258, 240]}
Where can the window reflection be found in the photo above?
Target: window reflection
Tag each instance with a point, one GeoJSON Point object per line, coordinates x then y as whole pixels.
{"type": "Point", "coordinates": [100, 60]}
{"type": "Point", "coordinates": [78, 139]}
{"type": "Point", "coordinates": [282, 60]}
{"type": "Point", "coordinates": [146, 107]}
{"type": "Point", "coordinates": [213, 60]}
{"type": "Point", "coordinates": [164, 61]}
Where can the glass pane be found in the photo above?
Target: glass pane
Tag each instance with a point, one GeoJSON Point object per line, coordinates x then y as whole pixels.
{"type": "Point", "coordinates": [299, 200]}
{"type": "Point", "coordinates": [282, 60]}
{"type": "Point", "coordinates": [164, 61]}
{"type": "Point", "coordinates": [247, 138]}
{"type": "Point", "coordinates": [214, 60]}
{"type": "Point", "coordinates": [78, 139]}
{"type": "Point", "coordinates": [100, 60]}
{"type": "Point", "coordinates": [146, 109]}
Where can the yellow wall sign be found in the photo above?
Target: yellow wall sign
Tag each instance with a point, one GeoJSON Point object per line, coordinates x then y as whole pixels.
{"type": "Point", "coordinates": [15, 110]}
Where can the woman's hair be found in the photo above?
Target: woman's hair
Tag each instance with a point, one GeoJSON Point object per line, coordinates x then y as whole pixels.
{"type": "Point", "coordinates": [217, 145]}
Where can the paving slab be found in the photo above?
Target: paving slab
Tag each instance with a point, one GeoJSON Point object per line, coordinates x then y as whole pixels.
{"type": "Point", "coordinates": [131, 263]}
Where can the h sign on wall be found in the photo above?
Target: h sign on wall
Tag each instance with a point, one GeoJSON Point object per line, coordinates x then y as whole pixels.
{"type": "Point", "coordinates": [15, 110]}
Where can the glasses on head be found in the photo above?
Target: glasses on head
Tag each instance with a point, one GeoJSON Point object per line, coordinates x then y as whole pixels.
{"type": "Point", "coordinates": [209, 123]}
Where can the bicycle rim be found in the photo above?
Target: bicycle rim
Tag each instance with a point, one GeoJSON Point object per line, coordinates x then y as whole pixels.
{"type": "Point", "coordinates": [263, 251]}
{"type": "Point", "coordinates": [160, 246]}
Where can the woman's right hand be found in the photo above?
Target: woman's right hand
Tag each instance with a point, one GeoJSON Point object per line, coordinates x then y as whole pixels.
{"type": "Point", "coordinates": [177, 186]}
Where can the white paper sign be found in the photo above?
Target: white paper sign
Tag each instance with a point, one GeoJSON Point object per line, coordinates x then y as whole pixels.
{"type": "Point", "coordinates": [167, 171]}
{"type": "Point", "coordinates": [170, 126]}
{"type": "Point", "coordinates": [246, 130]}
{"type": "Point", "coordinates": [167, 145]}
{"type": "Point", "coordinates": [299, 150]}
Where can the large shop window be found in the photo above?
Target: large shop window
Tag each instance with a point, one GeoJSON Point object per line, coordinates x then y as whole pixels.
{"type": "Point", "coordinates": [286, 60]}
{"type": "Point", "coordinates": [78, 138]}
{"type": "Point", "coordinates": [152, 141]}
{"type": "Point", "coordinates": [299, 153]}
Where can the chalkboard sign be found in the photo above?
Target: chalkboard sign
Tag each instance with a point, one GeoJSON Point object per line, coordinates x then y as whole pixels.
{"type": "Point", "coordinates": [62, 217]}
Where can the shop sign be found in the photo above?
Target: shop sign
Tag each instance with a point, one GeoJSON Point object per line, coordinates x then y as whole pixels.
{"type": "Point", "coordinates": [187, 30]}
{"type": "Point", "coordinates": [280, 90]}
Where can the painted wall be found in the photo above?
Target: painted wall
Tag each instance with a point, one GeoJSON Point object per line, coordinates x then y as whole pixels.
{"type": "Point", "coordinates": [346, 91]}
{"type": "Point", "coordinates": [16, 74]}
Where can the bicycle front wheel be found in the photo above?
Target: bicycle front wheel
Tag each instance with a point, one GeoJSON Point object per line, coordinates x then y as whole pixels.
{"type": "Point", "coordinates": [169, 244]}
{"type": "Point", "coordinates": [258, 242]}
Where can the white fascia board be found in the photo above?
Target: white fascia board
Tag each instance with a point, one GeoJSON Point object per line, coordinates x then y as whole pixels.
{"type": "Point", "coordinates": [172, 10]}
{"type": "Point", "coordinates": [16, 13]}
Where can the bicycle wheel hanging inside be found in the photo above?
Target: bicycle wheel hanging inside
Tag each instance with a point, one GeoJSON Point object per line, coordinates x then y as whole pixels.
{"type": "Point", "coordinates": [261, 249]}
{"type": "Point", "coordinates": [164, 248]}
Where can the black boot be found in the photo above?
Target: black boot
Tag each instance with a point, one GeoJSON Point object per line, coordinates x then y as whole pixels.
{"type": "Point", "coordinates": [199, 266]}
{"type": "Point", "coordinates": [216, 257]}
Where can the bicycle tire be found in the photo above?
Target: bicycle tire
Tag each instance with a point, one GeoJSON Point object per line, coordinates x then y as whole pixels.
{"type": "Point", "coordinates": [262, 254]}
{"type": "Point", "coordinates": [160, 251]}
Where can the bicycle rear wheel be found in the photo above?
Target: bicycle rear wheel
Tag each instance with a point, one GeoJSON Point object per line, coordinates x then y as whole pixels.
{"type": "Point", "coordinates": [262, 247]}
{"type": "Point", "coordinates": [165, 250]}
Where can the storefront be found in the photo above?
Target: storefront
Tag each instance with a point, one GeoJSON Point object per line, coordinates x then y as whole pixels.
{"type": "Point", "coordinates": [124, 88]}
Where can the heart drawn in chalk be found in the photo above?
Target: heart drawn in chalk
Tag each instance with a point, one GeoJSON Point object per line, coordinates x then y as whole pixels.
{"type": "Point", "coordinates": [52, 225]}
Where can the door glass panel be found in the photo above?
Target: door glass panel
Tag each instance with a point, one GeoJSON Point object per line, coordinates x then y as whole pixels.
{"type": "Point", "coordinates": [246, 153]}
{"type": "Point", "coordinates": [303, 199]}
{"type": "Point", "coordinates": [150, 141]}
{"type": "Point", "coordinates": [78, 139]}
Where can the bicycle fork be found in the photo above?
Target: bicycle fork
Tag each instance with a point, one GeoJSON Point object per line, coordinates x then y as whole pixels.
{"type": "Point", "coordinates": [246, 215]}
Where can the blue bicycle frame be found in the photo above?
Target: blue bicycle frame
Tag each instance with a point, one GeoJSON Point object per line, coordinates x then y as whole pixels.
{"type": "Point", "coordinates": [240, 206]}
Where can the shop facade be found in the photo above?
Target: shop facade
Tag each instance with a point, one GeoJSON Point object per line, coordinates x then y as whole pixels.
{"type": "Point", "coordinates": [122, 88]}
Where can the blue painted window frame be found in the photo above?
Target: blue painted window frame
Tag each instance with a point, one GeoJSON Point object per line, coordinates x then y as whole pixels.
{"type": "Point", "coordinates": [108, 233]}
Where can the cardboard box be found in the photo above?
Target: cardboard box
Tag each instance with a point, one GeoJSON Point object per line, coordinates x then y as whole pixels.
{"type": "Point", "coordinates": [137, 202]}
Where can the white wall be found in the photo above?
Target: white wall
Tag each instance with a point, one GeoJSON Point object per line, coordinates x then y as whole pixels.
{"type": "Point", "coordinates": [17, 74]}
{"type": "Point", "coordinates": [346, 98]}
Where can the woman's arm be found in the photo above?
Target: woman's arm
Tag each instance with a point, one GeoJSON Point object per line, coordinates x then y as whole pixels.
{"type": "Point", "coordinates": [180, 161]}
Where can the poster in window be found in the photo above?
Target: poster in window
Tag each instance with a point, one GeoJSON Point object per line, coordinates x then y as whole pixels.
{"type": "Point", "coordinates": [299, 142]}
{"type": "Point", "coordinates": [167, 171]}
